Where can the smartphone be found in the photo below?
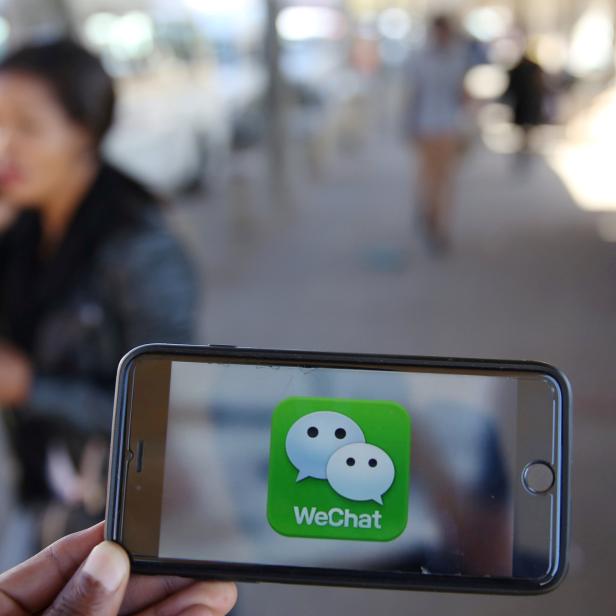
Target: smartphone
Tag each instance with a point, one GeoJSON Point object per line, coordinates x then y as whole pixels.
{"type": "Point", "coordinates": [341, 469]}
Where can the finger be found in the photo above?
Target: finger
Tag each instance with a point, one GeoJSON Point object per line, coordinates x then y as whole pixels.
{"type": "Point", "coordinates": [207, 598]}
{"type": "Point", "coordinates": [145, 590]}
{"type": "Point", "coordinates": [34, 584]}
{"type": "Point", "coordinates": [10, 607]}
{"type": "Point", "coordinates": [97, 589]}
{"type": "Point", "coordinates": [196, 610]}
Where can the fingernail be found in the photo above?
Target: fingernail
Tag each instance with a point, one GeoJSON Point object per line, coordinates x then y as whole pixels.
{"type": "Point", "coordinates": [107, 564]}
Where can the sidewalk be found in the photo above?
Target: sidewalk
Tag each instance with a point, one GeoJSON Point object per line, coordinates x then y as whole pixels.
{"type": "Point", "coordinates": [527, 277]}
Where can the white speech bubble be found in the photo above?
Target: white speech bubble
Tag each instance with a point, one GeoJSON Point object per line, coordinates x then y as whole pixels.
{"type": "Point", "coordinates": [313, 438]}
{"type": "Point", "coordinates": [361, 472]}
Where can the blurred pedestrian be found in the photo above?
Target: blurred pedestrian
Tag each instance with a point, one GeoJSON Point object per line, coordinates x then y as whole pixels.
{"type": "Point", "coordinates": [526, 95]}
{"type": "Point", "coordinates": [88, 270]}
{"type": "Point", "coordinates": [436, 119]}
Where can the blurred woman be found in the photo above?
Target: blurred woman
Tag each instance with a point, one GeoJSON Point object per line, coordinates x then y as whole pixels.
{"type": "Point", "coordinates": [435, 118]}
{"type": "Point", "coordinates": [88, 270]}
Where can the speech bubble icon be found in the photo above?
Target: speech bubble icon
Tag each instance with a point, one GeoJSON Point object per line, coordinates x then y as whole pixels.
{"type": "Point", "coordinates": [313, 438]}
{"type": "Point", "coordinates": [361, 472]}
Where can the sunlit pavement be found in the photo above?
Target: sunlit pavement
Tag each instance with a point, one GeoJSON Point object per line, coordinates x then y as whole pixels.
{"type": "Point", "coordinates": [585, 160]}
{"type": "Point", "coordinates": [527, 277]}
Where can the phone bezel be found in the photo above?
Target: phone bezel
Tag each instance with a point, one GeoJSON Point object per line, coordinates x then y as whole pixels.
{"type": "Point", "coordinates": [328, 576]}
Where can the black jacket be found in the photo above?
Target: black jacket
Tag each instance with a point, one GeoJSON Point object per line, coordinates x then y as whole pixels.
{"type": "Point", "coordinates": [119, 279]}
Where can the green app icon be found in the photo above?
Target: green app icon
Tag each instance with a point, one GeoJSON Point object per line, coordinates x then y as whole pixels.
{"type": "Point", "coordinates": [339, 469]}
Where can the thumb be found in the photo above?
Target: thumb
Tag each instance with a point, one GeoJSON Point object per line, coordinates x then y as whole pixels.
{"type": "Point", "coordinates": [98, 587]}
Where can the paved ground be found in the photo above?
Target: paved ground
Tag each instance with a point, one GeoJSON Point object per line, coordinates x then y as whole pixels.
{"type": "Point", "coordinates": [527, 278]}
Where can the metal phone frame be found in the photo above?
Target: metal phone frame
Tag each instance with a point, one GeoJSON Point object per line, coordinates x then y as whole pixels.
{"type": "Point", "coordinates": [326, 576]}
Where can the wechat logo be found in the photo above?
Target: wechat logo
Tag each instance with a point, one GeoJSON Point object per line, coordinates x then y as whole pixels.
{"type": "Point", "coordinates": [339, 468]}
{"type": "Point", "coordinates": [360, 472]}
{"type": "Point", "coordinates": [331, 446]}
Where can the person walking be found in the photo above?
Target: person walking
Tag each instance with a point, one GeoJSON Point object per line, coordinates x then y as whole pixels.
{"type": "Point", "coordinates": [436, 116]}
{"type": "Point", "coordinates": [88, 270]}
{"type": "Point", "coordinates": [526, 95]}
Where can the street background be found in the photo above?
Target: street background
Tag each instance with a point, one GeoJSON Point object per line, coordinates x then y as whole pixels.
{"type": "Point", "coordinates": [303, 229]}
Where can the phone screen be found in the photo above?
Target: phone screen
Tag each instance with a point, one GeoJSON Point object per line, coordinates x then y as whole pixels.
{"type": "Point", "coordinates": [351, 468]}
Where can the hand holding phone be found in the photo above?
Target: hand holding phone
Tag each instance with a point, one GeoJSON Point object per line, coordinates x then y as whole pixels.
{"type": "Point", "coordinates": [81, 574]}
{"type": "Point", "coordinates": [358, 470]}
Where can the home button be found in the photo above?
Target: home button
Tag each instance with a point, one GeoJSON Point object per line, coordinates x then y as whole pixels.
{"type": "Point", "coordinates": [538, 477]}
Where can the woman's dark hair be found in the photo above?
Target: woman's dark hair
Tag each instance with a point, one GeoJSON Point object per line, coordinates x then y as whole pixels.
{"type": "Point", "coordinates": [75, 76]}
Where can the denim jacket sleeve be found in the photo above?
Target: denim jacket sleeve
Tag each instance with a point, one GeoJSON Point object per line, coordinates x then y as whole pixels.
{"type": "Point", "coordinates": [82, 405]}
{"type": "Point", "coordinates": [153, 288]}
{"type": "Point", "coordinates": [152, 296]}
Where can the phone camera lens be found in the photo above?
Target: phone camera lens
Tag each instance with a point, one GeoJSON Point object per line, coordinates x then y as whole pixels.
{"type": "Point", "coordinates": [372, 462]}
{"type": "Point", "coordinates": [340, 433]}
{"type": "Point", "coordinates": [312, 432]}
{"type": "Point", "coordinates": [350, 461]}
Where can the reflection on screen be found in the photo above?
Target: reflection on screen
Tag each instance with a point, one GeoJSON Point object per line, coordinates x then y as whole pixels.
{"type": "Point", "coordinates": [340, 468]}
